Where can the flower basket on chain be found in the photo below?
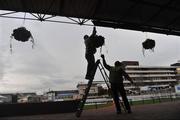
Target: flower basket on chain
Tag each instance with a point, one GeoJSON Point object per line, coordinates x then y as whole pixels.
{"type": "Point", "coordinates": [23, 35]}
{"type": "Point", "coordinates": [148, 44]}
{"type": "Point", "coordinates": [98, 41]}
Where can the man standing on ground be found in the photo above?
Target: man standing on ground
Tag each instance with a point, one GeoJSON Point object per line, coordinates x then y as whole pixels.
{"type": "Point", "coordinates": [116, 74]}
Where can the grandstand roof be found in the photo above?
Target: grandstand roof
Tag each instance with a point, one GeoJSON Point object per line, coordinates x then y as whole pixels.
{"type": "Point", "coordinates": [159, 16]}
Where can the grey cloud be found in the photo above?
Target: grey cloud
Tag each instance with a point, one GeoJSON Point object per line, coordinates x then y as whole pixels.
{"type": "Point", "coordinates": [58, 62]}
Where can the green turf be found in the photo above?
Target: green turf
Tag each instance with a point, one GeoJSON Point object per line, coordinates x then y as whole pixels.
{"type": "Point", "coordinates": [141, 102]}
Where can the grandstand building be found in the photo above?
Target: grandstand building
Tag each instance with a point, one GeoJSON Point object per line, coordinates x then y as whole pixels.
{"type": "Point", "coordinates": [150, 78]}
{"type": "Point", "coordinates": [147, 79]}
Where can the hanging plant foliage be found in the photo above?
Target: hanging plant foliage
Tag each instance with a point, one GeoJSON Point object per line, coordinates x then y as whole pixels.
{"type": "Point", "coordinates": [21, 34]}
{"type": "Point", "coordinates": [98, 40]}
{"type": "Point", "coordinates": [148, 44]}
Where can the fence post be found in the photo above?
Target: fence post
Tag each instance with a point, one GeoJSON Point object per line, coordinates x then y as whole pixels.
{"type": "Point", "coordinates": [159, 99]}
{"type": "Point", "coordinates": [153, 99]}
{"type": "Point", "coordinates": [131, 103]}
{"type": "Point", "coordinates": [171, 97]}
{"type": "Point", "coordinates": [96, 105]}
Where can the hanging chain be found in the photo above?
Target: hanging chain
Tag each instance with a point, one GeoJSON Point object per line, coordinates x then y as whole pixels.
{"type": "Point", "coordinates": [146, 37]}
{"type": "Point", "coordinates": [11, 37]}
{"type": "Point", "coordinates": [32, 41]}
{"type": "Point", "coordinates": [24, 19]}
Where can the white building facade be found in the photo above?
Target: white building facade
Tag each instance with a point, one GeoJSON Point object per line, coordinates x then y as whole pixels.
{"type": "Point", "coordinates": [147, 78]}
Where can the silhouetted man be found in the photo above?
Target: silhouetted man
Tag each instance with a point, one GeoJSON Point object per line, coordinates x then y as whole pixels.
{"type": "Point", "coordinates": [116, 74]}
{"type": "Point", "coordinates": [89, 55]}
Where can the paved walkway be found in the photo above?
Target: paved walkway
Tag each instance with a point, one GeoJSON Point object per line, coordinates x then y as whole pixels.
{"type": "Point", "coordinates": [162, 111]}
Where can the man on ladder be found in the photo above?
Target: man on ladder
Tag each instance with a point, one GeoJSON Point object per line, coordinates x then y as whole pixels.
{"type": "Point", "coordinates": [116, 74]}
{"type": "Point", "coordinates": [91, 42]}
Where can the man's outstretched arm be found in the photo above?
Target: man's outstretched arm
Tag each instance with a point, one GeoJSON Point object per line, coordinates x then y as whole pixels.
{"type": "Point", "coordinates": [104, 63]}
{"type": "Point", "coordinates": [94, 31]}
{"type": "Point", "coordinates": [127, 76]}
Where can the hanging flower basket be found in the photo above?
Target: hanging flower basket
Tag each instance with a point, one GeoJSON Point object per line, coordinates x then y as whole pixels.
{"type": "Point", "coordinates": [21, 34]}
{"type": "Point", "coordinates": [98, 40]}
{"type": "Point", "coordinates": [148, 44]}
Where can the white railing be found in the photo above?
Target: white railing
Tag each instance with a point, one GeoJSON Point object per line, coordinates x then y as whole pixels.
{"type": "Point", "coordinates": [153, 75]}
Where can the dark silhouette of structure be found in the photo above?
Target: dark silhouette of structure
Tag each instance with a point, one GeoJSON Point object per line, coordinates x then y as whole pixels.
{"type": "Point", "coordinates": [116, 74]}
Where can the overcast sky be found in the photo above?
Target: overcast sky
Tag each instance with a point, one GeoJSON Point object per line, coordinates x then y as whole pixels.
{"type": "Point", "coordinates": [57, 61]}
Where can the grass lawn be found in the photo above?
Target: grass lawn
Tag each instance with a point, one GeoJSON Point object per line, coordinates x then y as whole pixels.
{"type": "Point", "coordinates": [96, 106]}
{"type": "Point", "coordinates": [152, 101]}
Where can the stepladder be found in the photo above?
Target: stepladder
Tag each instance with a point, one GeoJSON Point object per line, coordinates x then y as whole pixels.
{"type": "Point", "coordinates": [83, 100]}
{"type": "Point", "coordinates": [98, 65]}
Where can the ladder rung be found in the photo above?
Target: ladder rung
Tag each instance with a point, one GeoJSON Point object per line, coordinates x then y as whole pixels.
{"type": "Point", "coordinates": [83, 100]}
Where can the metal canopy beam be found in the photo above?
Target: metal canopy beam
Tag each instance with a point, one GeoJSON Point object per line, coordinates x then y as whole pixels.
{"type": "Point", "coordinates": [161, 16]}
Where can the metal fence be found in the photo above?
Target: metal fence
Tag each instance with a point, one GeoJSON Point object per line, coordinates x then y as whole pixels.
{"type": "Point", "coordinates": [138, 99]}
